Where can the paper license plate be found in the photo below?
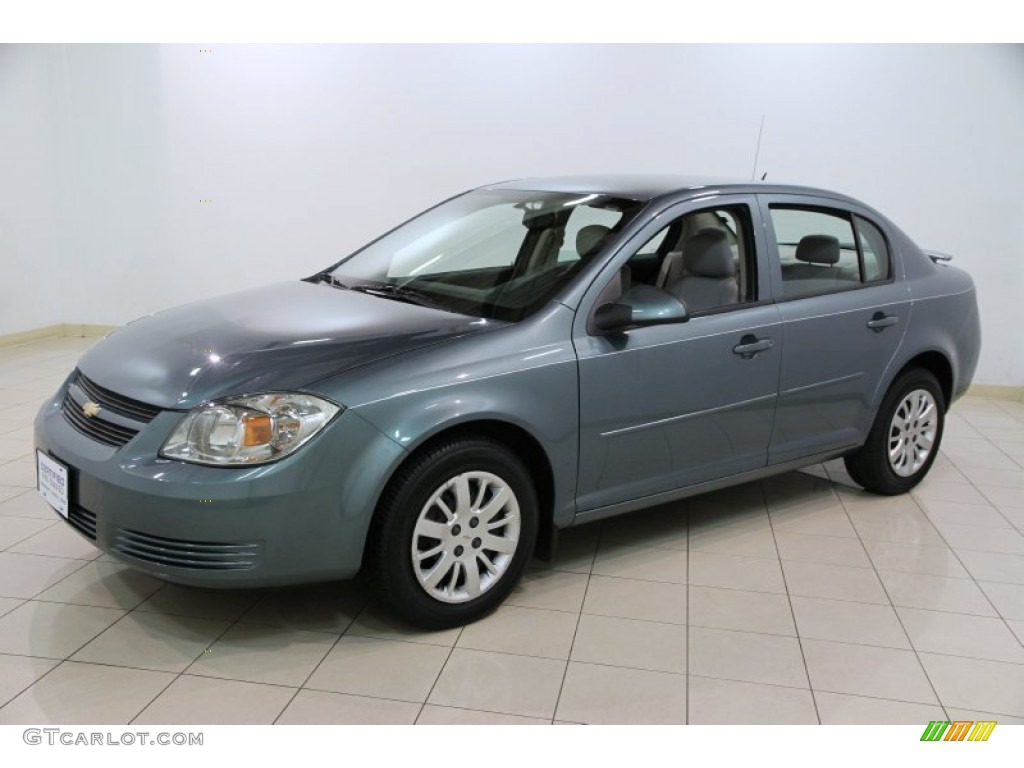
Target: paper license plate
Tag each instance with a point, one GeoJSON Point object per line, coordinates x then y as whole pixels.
{"type": "Point", "coordinates": [53, 482]}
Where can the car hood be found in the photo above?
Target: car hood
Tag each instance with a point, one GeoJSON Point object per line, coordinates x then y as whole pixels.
{"type": "Point", "coordinates": [278, 337]}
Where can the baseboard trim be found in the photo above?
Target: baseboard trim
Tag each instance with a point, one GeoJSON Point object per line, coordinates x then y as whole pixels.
{"type": "Point", "coordinates": [27, 337]}
{"type": "Point", "coordinates": [85, 330]}
{"type": "Point", "coordinates": [996, 392]}
{"type": "Point", "coordinates": [77, 330]}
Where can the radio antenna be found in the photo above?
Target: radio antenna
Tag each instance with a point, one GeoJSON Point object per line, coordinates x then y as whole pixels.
{"type": "Point", "coordinates": [757, 150]}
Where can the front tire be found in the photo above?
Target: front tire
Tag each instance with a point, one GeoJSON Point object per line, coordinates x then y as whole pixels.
{"type": "Point", "coordinates": [905, 437]}
{"type": "Point", "coordinates": [453, 532]}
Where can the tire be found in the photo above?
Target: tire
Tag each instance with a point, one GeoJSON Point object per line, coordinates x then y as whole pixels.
{"type": "Point", "coordinates": [453, 532]}
{"type": "Point", "coordinates": [899, 450]}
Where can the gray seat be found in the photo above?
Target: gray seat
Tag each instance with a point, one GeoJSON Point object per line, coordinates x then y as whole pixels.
{"type": "Point", "coordinates": [672, 268]}
{"type": "Point", "coordinates": [818, 249]}
{"type": "Point", "coordinates": [816, 270]}
{"type": "Point", "coordinates": [590, 238]}
{"type": "Point", "coordinates": [710, 272]}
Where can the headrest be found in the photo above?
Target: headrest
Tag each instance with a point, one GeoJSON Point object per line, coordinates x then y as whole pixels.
{"type": "Point", "coordinates": [589, 238]}
{"type": "Point", "coordinates": [818, 249]}
{"type": "Point", "coordinates": [707, 254]}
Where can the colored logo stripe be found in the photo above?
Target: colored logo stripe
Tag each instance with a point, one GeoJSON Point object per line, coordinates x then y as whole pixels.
{"type": "Point", "coordinates": [982, 730]}
{"type": "Point", "coordinates": [935, 730]}
{"type": "Point", "coordinates": [959, 730]}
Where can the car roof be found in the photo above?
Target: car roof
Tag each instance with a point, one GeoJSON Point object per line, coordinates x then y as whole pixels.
{"type": "Point", "coordinates": [645, 187]}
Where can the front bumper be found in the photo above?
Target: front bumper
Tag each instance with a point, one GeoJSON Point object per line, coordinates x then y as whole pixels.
{"type": "Point", "coordinates": [302, 519]}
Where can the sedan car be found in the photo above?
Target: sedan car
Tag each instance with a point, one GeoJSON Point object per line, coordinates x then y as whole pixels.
{"type": "Point", "coordinates": [519, 359]}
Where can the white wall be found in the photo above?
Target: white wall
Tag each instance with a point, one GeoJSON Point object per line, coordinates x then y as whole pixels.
{"type": "Point", "coordinates": [31, 281]}
{"type": "Point", "coordinates": [308, 151]}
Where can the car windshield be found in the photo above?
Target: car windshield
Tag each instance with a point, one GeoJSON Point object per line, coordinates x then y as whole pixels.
{"type": "Point", "coordinates": [499, 254]}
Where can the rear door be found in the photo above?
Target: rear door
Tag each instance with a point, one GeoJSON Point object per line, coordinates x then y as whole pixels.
{"type": "Point", "coordinates": [844, 313]}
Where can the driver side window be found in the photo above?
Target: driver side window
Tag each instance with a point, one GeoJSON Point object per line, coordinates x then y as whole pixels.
{"type": "Point", "coordinates": [704, 258]}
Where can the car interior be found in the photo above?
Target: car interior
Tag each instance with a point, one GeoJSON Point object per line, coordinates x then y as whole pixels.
{"type": "Point", "coordinates": [700, 258]}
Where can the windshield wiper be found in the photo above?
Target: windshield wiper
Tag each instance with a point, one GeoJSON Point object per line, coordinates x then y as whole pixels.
{"type": "Point", "coordinates": [399, 293]}
{"type": "Point", "coordinates": [326, 277]}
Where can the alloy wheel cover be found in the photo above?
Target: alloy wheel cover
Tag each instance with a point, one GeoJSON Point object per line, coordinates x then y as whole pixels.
{"type": "Point", "coordinates": [465, 537]}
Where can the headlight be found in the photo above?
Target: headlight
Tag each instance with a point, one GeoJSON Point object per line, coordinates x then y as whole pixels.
{"type": "Point", "coordinates": [249, 430]}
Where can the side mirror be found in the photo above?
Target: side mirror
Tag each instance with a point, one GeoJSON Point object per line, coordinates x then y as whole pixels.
{"type": "Point", "coordinates": [640, 306]}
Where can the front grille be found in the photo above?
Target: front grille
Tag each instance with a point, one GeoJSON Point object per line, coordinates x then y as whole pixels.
{"type": "Point", "coordinates": [97, 428]}
{"type": "Point", "coordinates": [112, 401]}
{"type": "Point", "coordinates": [83, 521]}
{"type": "Point", "coordinates": [100, 427]}
{"type": "Point", "coordinates": [177, 553]}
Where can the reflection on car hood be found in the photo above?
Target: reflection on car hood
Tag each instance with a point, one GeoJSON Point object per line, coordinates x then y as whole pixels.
{"type": "Point", "coordinates": [279, 337]}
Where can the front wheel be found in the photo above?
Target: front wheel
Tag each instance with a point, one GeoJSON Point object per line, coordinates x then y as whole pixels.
{"type": "Point", "coordinates": [453, 532]}
{"type": "Point", "coordinates": [905, 437]}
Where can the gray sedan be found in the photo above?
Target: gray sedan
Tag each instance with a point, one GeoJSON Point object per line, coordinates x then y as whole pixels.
{"type": "Point", "coordinates": [519, 359]}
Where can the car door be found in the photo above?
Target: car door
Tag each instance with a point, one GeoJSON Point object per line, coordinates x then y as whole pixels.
{"type": "Point", "coordinates": [670, 406]}
{"type": "Point", "coordinates": [844, 312]}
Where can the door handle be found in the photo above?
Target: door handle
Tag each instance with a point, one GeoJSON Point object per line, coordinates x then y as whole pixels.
{"type": "Point", "coordinates": [750, 345]}
{"type": "Point", "coordinates": [880, 321]}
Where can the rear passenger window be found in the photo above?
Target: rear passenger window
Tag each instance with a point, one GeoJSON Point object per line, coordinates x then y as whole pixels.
{"type": "Point", "coordinates": [818, 251]}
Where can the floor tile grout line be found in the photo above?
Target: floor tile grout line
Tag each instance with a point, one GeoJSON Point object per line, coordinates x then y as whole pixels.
{"type": "Point", "coordinates": [33, 683]}
{"type": "Point", "coordinates": [789, 600]}
{"type": "Point", "coordinates": [6, 550]}
{"type": "Point", "coordinates": [189, 665]}
{"type": "Point", "coordinates": [970, 573]}
{"type": "Point", "coordinates": [834, 693]}
{"type": "Point", "coordinates": [19, 601]}
{"type": "Point", "coordinates": [84, 563]}
{"type": "Point", "coordinates": [67, 659]}
{"type": "Point", "coordinates": [660, 670]}
{"type": "Point", "coordinates": [17, 495]}
{"type": "Point", "coordinates": [838, 599]}
{"type": "Point", "coordinates": [999, 448]}
{"type": "Point", "coordinates": [454, 706]}
{"type": "Point", "coordinates": [993, 507]}
{"type": "Point", "coordinates": [579, 616]}
{"type": "Point", "coordinates": [53, 557]}
{"type": "Point", "coordinates": [899, 619]}
{"type": "Point", "coordinates": [485, 711]}
{"type": "Point", "coordinates": [440, 672]}
{"type": "Point", "coordinates": [317, 666]}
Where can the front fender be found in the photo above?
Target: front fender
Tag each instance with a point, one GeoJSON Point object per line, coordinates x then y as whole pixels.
{"type": "Point", "coordinates": [541, 401]}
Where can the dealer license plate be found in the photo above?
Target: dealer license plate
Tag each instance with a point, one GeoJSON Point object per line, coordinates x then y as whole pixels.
{"type": "Point", "coordinates": [53, 482]}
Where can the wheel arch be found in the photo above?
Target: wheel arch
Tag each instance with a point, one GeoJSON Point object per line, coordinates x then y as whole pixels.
{"type": "Point", "coordinates": [938, 364]}
{"type": "Point", "coordinates": [521, 442]}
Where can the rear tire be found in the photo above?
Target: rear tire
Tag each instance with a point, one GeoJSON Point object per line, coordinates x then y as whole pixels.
{"type": "Point", "coordinates": [905, 437]}
{"type": "Point", "coordinates": [453, 532]}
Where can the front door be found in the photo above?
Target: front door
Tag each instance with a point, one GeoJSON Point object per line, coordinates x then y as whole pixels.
{"type": "Point", "coordinates": [670, 406]}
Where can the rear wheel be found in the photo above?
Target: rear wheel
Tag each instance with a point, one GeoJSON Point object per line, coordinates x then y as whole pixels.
{"type": "Point", "coordinates": [453, 532]}
{"type": "Point", "coordinates": [905, 437]}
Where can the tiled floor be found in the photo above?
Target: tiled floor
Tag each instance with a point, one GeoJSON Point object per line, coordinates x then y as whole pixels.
{"type": "Point", "coordinates": [800, 599]}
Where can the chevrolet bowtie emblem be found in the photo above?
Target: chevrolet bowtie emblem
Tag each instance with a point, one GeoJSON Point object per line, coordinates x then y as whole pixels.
{"type": "Point", "coordinates": [90, 408]}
